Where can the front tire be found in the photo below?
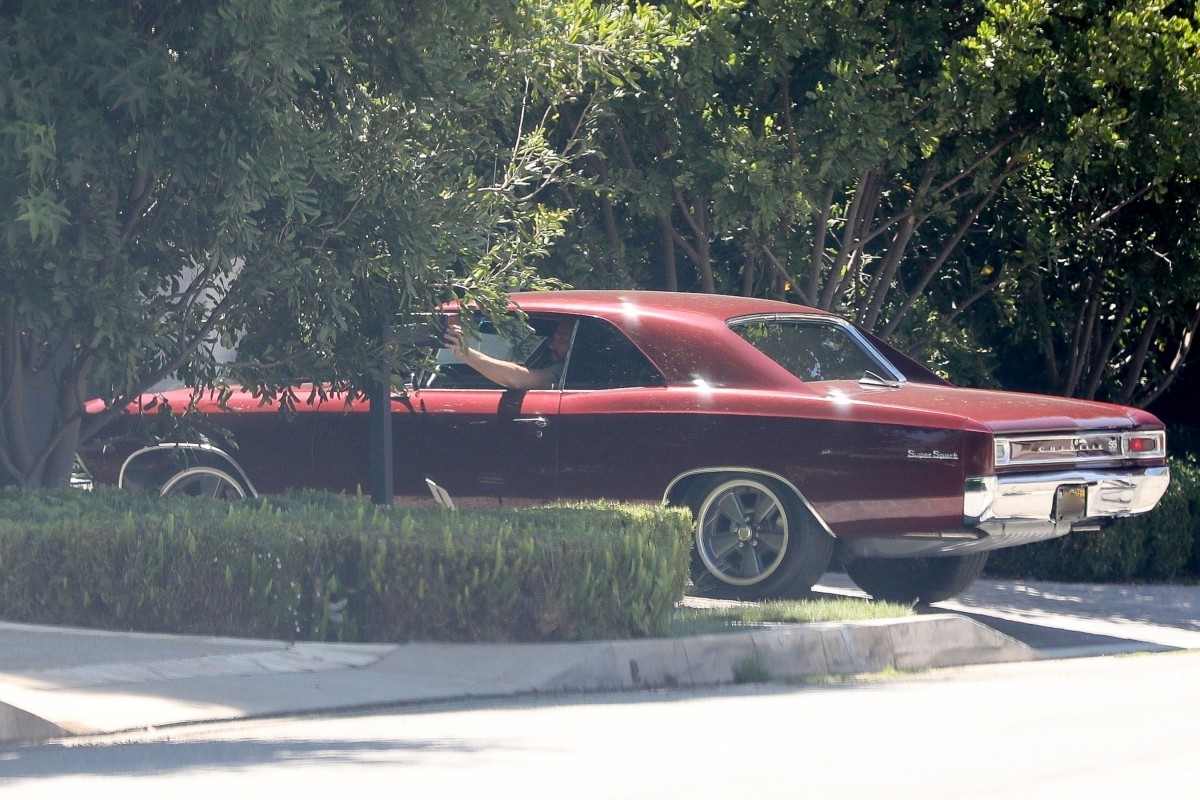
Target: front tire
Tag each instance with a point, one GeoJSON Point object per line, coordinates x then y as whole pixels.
{"type": "Point", "coordinates": [916, 580]}
{"type": "Point", "coordinates": [755, 539]}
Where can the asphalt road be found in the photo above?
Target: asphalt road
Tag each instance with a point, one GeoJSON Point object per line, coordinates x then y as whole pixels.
{"type": "Point", "coordinates": [1096, 728]}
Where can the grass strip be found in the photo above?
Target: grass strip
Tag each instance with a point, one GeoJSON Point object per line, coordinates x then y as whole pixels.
{"type": "Point", "coordinates": [689, 620]}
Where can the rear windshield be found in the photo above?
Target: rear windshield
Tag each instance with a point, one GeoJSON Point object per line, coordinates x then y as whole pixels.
{"type": "Point", "coordinates": [812, 350]}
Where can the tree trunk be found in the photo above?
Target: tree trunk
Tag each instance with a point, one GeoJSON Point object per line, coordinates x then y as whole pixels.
{"type": "Point", "coordinates": [670, 272]}
{"type": "Point", "coordinates": [749, 273]}
{"type": "Point", "coordinates": [696, 217]}
{"type": "Point", "coordinates": [39, 423]}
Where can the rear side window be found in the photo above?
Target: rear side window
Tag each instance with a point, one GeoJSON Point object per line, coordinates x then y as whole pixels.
{"type": "Point", "coordinates": [812, 350]}
{"type": "Point", "coordinates": [603, 358]}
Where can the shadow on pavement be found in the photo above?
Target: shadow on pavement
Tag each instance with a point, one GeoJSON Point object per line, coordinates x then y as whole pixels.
{"type": "Point", "coordinates": [1070, 619]}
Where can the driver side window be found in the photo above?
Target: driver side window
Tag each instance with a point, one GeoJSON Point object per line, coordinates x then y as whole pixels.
{"type": "Point", "coordinates": [513, 340]}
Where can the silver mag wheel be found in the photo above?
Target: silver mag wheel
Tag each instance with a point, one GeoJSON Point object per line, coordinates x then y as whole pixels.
{"type": "Point", "coordinates": [207, 482]}
{"type": "Point", "coordinates": [755, 539]}
{"type": "Point", "coordinates": [916, 580]}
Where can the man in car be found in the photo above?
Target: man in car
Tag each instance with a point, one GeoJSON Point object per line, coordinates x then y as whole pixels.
{"type": "Point", "coordinates": [507, 373]}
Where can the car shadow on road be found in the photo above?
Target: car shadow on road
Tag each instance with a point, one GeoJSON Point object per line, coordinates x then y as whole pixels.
{"type": "Point", "coordinates": [1061, 620]}
{"type": "Point", "coordinates": [1051, 641]}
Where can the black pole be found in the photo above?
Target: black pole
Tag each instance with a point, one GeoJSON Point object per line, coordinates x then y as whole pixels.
{"type": "Point", "coordinates": [379, 432]}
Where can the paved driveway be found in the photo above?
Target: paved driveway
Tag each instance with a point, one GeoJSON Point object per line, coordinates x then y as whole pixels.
{"type": "Point", "coordinates": [1074, 619]}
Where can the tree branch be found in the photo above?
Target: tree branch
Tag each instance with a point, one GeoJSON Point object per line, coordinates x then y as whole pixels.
{"type": "Point", "coordinates": [777, 265]}
{"type": "Point", "coordinates": [816, 261]}
{"type": "Point", "coordinates": [951, 243]}
{"type": "Point", "coordinates": [1104, 353]}
{"type": "Point", "coordinates": [849, 243]}
{"type": "Point", "coordinates": [1137, 363]}
{"type": "Point", "coordinates": [1177, 363]}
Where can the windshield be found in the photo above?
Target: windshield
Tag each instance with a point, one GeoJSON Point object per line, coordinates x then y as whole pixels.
{"type": "Point", "coordinates": [813, 350]}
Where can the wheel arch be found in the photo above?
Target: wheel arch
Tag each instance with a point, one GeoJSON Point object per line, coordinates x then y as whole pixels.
{"type": "Point", "coordinates": [680, 491]}
{"type": "Point", "coordinates": [150, 467]}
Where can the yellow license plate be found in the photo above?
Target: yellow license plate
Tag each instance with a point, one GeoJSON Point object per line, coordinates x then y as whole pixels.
{"type": "Point", "coordinates": [1070, 502]}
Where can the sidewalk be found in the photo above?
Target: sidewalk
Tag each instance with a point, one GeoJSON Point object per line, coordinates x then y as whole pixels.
{"type": "Point", "coordinates": [57, 682]}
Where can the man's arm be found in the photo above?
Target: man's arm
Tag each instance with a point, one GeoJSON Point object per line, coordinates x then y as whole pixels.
{"type": "Point", "coordinates": [505, 373]}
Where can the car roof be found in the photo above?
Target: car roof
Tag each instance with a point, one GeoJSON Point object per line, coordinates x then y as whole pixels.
{"type": "Point", "coordinates": [686, 335]}
{"type": "Point", "coordinates": [683, 304]}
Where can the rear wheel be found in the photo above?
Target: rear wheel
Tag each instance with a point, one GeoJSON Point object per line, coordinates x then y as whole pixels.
{"type": "Point", "coordinates": [755, 539]}
{"type": "Point", "coordinates": [206, 482]}
{"type": "Point", "coordinates": [916, 580]}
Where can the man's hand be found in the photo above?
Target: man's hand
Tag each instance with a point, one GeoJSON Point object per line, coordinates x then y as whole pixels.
{"type": "Point", "coordinates": [453, 339]}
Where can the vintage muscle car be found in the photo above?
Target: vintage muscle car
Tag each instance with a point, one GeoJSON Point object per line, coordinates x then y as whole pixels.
{"type": "Point", "coordinates": [791, 433]}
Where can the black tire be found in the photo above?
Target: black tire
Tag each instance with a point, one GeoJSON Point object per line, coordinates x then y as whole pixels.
{"type": "Point", "coordinates": [755, 539]}
{"type": "Point", "coordinates": [916, 580]}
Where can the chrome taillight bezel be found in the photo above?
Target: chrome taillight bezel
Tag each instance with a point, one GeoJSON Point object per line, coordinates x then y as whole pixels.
{"type": "Point", "coordinates": [1087, 447]}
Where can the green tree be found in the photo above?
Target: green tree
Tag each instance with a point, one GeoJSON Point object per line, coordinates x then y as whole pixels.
{"type": "Point", "coordinates": [927, 169]}
{"type": "Point", "coordinates": [1105, 264]}
{"type": "Point", "coordinates": [287, 177]}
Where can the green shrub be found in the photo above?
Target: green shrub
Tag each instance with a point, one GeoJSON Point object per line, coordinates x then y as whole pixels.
{"type": "Point", "coordinates": [1162, 545]}
{"type": "Point", "coordinates": [313, 566]}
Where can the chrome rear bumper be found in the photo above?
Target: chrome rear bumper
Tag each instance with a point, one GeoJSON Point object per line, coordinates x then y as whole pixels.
{"type": "Point", "coordinates": [1056, 497]}
{"type": "Point", "coordinates": [1010, 510]}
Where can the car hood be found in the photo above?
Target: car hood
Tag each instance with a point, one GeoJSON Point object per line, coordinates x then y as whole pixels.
{"type": "Point", "coordinates": [998, 411]}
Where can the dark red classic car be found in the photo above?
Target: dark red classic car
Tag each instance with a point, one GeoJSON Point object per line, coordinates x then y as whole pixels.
{"type": "Point", "coordinates": [788, 431]}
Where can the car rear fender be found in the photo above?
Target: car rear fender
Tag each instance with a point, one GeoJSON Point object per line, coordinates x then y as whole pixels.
{"type": "Point", "coordinates": [683, 489]}
{"type": "Point", "coordinates": [150, 467]}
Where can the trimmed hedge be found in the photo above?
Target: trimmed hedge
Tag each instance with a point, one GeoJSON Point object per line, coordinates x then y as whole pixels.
{"type": "Point", "coordinates": [1162, 545]}
{"type": "Point", "coordinates": [326, 567]}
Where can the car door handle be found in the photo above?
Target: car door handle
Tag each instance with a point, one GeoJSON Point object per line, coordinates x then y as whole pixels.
{"type": "Point", "coordinates": [539, 422]}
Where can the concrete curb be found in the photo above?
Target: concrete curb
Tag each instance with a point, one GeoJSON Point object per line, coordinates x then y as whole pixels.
{"type": "Point", "coordinates": [20, 726]}
{"type": "Point", "coordinates": [192, 680]}
{"type": "Point", "coordinates": [788, 652]}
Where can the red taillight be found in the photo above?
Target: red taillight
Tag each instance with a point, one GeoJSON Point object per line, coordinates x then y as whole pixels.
{"type": "Point", "coordinates": [1142, 444]}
